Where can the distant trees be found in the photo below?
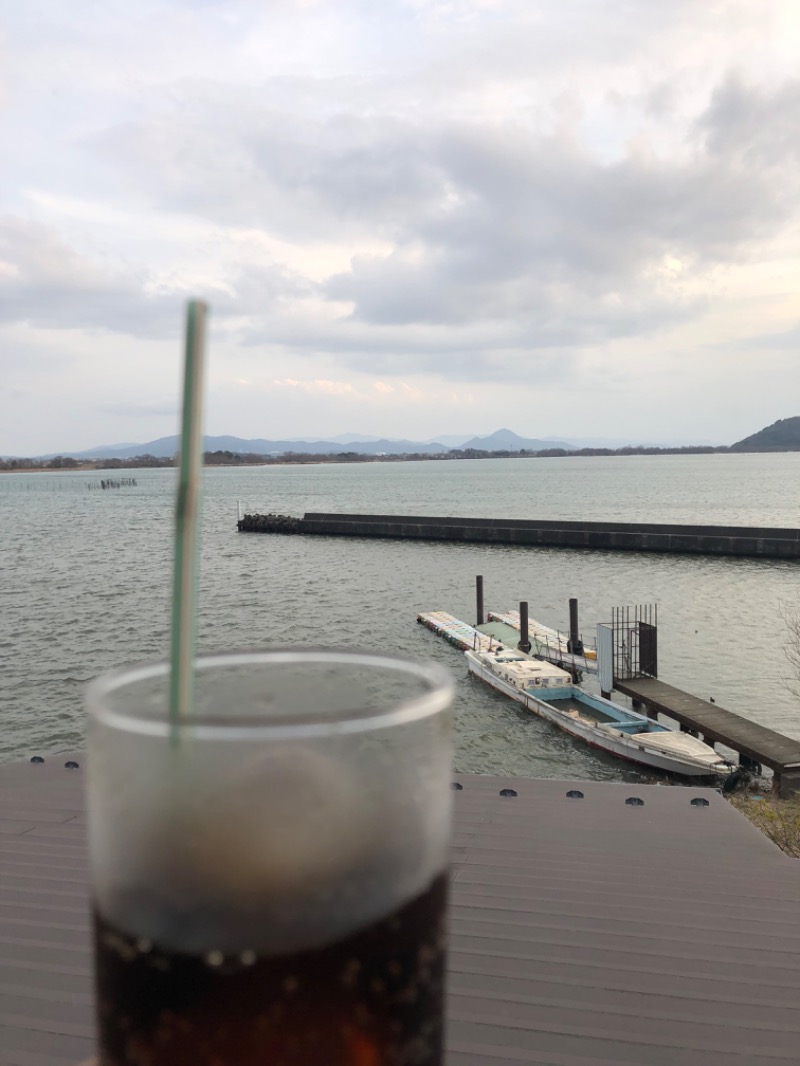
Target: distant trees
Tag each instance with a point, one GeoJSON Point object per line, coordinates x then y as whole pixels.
{"type": "Point", "coordinates": [136, 462]}
{"type": "Point", "coordinates": [16, 464]}
{"type": "Point", "coordinates": [558, 453]}
{"type": "Point", "coordinates": [58, 462]}
{"type": "Point", "coordinates": [67, 462]}
{"type": "Point", "coordinates": [229, 458]}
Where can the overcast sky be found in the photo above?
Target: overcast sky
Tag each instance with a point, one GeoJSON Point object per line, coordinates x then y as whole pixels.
{"type": "Point", "coordinates": [414, 218]}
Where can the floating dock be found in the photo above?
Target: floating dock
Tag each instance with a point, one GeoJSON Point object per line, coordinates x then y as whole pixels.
{"type": "Point", "coordinates": [502, 629]}
{"type": "Point", "coordinates": [461, 635]}
{"type": "Point", "coordinates": [553, 650]}
{"type": "Point", "coordinates": [758, 542]}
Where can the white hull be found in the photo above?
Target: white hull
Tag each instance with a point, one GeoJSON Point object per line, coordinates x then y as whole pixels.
{"type": "Point", "coordinates": [623, 747]}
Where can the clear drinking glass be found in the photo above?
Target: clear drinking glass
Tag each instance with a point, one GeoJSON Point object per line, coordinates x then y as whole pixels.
{"type": "Point", "coordinates": [269, 875]}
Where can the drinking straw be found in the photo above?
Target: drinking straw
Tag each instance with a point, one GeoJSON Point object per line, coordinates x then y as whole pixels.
{"type": "Point", "coordinates": [184, 587]}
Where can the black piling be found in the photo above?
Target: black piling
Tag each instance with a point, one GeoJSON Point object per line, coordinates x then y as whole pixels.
{"type": "Point", "coordinates": [524, 639]}
{"type": "Point", "coordinates": [575, 644]}
{"type": "Point", "coordinates": [479, 600]}
{"type": "Point", "coordinates": [749, 764]}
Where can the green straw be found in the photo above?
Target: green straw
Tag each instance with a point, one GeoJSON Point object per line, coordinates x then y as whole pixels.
{"type": "Point", "coordinates": [184, 587]}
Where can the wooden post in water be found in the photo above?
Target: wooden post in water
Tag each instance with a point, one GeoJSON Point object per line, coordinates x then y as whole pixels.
{"type": "Point", "coordinates": [479, 600]}
{"type": "Point", "coordinates": [524, 639]}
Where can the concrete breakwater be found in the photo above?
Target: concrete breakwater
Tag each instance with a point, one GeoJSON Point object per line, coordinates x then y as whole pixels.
{"type": "Point", "coordinates": [270, 523]}
{"type": "Point", "coordinates": [751, 541]}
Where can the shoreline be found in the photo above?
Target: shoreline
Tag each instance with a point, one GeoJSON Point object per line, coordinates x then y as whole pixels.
{"type": "Point", "coordinates": [353, 458]}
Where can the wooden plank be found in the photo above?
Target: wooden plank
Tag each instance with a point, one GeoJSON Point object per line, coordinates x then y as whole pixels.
{"type": "Point", "coordinates": [9, 827]}
{"type": "Point", "coordinates": [26, 1046]}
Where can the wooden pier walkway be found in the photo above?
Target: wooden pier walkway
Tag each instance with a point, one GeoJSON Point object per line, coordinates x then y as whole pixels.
{"type": "Point", "coordinates": [781, 754]}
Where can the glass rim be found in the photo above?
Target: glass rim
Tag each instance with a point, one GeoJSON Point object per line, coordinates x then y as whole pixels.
{"type": "Point", "coordinates": [207, 726]}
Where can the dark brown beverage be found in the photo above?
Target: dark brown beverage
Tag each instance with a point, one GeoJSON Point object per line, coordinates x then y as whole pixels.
{"type": "Point", "coordinates": [371, 999]}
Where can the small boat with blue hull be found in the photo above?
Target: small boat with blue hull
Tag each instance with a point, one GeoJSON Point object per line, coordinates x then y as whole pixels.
{"type": "Point", "coordinates": [548, 691]}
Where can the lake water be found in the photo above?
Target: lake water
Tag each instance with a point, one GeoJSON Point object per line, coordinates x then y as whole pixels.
{"type": "Point", "coordinates": [85, 583]}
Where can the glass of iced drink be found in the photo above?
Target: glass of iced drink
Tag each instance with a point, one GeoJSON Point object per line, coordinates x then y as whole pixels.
{"type": "Point", "coordinates": [269, 873]}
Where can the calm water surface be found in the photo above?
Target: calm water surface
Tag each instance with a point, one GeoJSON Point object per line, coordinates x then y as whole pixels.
{"type": "Point", "coordinates": [85, 580]}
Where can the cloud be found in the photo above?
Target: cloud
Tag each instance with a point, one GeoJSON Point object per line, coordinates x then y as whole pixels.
{"type": "Point", "coordinates": [362, 391]}
{"type": "Point", "coordinates": [327, 388]}
{"type": "Point", "coordinates": [536, 229]}
{"type": "Point", "coordinates": [483, 223]}
{"type": "Point", "coordinates": [754, 125]}
{"type": "Point", "coordinates": [493, 191]}
{"type": "Point", "coordinates": [49, 283]}
{"type": "Point", "coordinates": [138, 411]}
{"type": "Point", "coordinates": [786, 340]}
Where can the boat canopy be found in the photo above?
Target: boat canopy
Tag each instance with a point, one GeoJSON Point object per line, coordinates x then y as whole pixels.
{"type": "Point", "coordinates": [521, 671]}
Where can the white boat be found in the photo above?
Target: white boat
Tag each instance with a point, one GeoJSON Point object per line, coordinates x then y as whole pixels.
{"type": "Point", "coordinates": [548, 691]}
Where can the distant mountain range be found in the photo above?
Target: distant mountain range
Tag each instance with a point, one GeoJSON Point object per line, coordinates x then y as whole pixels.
{"type": "Point", "coordinates": [781, 436]}
{"type": "Point", "coordinates": [506, 440]}
{"type": "Point", "coordinates": [164, 447]}
{"type": "Point", "coordinates": [168, 446]}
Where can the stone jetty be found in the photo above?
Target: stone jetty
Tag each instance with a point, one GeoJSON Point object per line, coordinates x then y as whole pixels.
{"type": "Point", "coordinates": [756, 542]}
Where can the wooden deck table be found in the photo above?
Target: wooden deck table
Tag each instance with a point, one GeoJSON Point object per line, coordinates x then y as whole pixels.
{"type": "Point", "coordinates": [585, 931]}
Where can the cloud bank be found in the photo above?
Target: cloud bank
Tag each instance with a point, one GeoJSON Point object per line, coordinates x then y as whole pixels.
{"type": "Point", "coordinates": [582, 209]}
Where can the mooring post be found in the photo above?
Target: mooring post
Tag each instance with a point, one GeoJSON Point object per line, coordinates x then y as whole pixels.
{"type": "Point", "coordinates": [787, 784]}
{"type": "Point", "coordinates": [479, 599]}
{"type": "Point", "coordinates": [749, 764]}
{"type": "Point", "coordinates": [524, 639]}
{"type": "Point", "coordinates": [575, 644]}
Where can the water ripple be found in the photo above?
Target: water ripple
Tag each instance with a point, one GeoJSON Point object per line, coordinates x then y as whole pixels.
{"type": "Point", "coordinates": [86, 585]}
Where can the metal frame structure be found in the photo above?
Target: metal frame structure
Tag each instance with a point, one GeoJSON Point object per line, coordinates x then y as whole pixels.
{"type": "Point", "coordinates": [634, 641]}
